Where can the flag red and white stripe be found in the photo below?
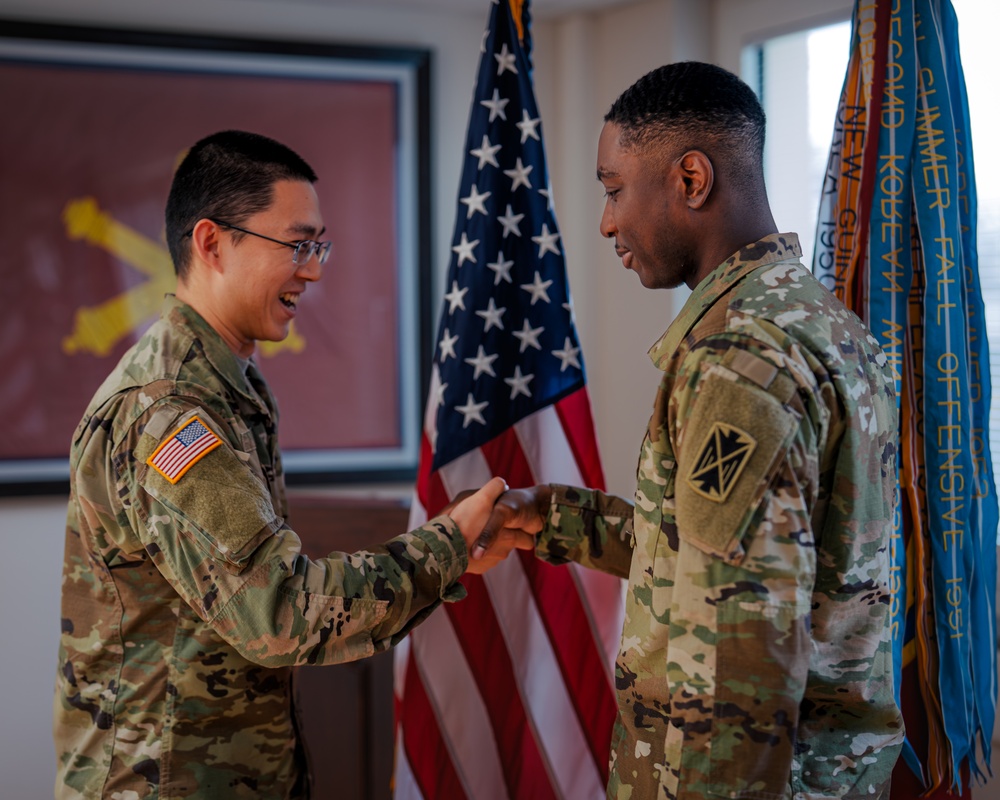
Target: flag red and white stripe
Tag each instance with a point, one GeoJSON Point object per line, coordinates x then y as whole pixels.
{"type": "Point", "coordinates": [508, 693]}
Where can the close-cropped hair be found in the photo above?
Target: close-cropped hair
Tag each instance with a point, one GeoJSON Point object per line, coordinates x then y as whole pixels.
{"type": "Point", "coordinates": [228, 176]}
{"type": "Point", "coordinates": [693, 105]}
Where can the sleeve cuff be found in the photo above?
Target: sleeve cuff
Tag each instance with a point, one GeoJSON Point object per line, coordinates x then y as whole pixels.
{"type": "Point", "coordinates": [446, 545]}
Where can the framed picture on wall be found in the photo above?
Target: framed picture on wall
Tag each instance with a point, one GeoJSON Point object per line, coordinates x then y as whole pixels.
{"type": "Point", "coordinates": [96, 121]}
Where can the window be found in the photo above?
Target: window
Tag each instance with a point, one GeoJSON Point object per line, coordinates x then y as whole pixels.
{"type": "Point", "coordinates": [977, 20]}
{"type": "Point", "coordinates": [798, 78]}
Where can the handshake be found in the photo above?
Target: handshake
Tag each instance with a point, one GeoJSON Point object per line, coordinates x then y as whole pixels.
{"type": "Point", "coordinates": [495, 520]}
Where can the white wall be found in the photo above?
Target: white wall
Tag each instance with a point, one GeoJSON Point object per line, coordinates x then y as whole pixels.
{"type": "Point", "coordinates": [31, 536]}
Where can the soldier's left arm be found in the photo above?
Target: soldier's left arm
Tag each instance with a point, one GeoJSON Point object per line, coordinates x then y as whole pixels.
{"type": "Point", "coordinates": [746, 485]}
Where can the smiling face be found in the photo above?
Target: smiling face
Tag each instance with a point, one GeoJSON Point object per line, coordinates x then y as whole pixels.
{"type": "Point", "coordinates": [258, 286]}
{"type": "Point", "coordinates": [645, 212]}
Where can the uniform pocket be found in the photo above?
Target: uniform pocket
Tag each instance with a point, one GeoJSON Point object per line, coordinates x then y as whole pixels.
{"type": "Point", "coordinates": [322, 619]}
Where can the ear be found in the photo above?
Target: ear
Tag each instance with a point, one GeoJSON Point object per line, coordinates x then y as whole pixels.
{"type": "Point", "coordinates": [698, 175]}
{"type": "Point", "coordinates": [206, 244]}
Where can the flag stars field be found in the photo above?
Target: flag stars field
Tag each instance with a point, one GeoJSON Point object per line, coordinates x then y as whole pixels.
{"type": "Point", "coordinates": [464, 249]}
{"type": "Point", "coordinates": [487, 153]}
{"type": "Point", "coordinates": [538, 289]}
{"type": "Point", "coordinates": [456, 297]}
{"type": "Point", "coordinates": [510, 222]}
{"type": "Point", "coordinates": [475, 201]}
{"type": "Point", "coordinates": [508, 317]}
{"type": "Point", "coordinates": [472, 411]}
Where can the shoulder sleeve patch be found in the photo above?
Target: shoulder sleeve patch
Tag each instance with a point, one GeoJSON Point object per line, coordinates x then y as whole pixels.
{"type": "Point", "coordinates": [184, 448]}
{"type": "Point", "coordinates": [733, 444]}
{"type": "Point", "coordinates": [220, 504]}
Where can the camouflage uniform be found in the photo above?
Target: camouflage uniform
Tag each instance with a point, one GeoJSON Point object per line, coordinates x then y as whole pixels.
{"type": "Point", "coordinates": [187, 601]}
{"type": "Point", "coordinates": [755, 658]}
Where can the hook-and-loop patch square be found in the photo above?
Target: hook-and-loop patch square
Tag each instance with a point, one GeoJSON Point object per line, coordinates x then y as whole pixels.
{"type": "Point", "coordinates": [724, 453]}
{"type": "Point", "coordinates": [731, 445]}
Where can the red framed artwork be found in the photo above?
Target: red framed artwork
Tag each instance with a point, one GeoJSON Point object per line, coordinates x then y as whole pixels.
{"type": "Point", "coordinates": [97, 121]}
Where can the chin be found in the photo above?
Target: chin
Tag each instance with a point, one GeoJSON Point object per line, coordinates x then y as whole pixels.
{"type": "Point", "coordinates": [278, 335]}
{"type": "Point", "coordinates": [651, 281]}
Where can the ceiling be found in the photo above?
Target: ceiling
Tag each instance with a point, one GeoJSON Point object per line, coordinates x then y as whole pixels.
{"type": "Point", "coordinates": [539, 8]}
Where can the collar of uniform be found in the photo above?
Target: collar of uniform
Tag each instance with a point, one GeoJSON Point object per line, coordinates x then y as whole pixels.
{"type": "Point", "coordinates": [218, 353]}
{"type": "Point", "coordinates": [764, 252]}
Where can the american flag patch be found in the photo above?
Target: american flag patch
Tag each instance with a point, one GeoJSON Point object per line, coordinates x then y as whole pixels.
{"type": "Point", "coordinates": [183, 449]}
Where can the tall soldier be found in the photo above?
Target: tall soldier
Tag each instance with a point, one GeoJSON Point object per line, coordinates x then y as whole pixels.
{"type": "Point", "coordinates": [755, 658]}
{"type": "Point", "coordinates": [186, 599]}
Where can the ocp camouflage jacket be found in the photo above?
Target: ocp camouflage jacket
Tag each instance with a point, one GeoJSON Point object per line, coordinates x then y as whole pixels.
{"type": "Point", "coordinates": [186, 599]}
{"type": "Point", "coordinates": [755, 659]}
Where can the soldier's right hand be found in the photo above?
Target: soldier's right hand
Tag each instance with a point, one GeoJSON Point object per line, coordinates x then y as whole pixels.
{"type": "Point", "coordinates": [516, 512]}
{"type": "Point", "coordinates": [471, 513]}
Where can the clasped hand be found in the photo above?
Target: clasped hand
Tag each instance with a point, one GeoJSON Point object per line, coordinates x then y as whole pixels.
{"type": "Point", "coordinates": [496, 520]}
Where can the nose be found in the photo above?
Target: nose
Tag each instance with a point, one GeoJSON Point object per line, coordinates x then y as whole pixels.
{"type": "Point", "coordinates": [608, 227]}
{"type": "Point", "coordinates": [312, 270]}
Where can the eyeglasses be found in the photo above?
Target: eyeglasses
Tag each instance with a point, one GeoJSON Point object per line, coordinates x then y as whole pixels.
{"type": "Point", "coordinates": [303, 250]}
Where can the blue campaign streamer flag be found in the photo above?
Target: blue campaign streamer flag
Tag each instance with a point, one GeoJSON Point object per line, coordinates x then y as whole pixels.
{"type": "Point", "coordinates": [984, 512]}
{"type": "Point", "coordinates": [890, 272]}
{"type": "Point", "coordinates": [947, 407]}
{"type": "Point", "coordinates": [920, 295]}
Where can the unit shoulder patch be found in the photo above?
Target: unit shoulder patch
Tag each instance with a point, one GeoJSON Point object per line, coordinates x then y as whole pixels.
{"type": "Point", "coordinates": [721, 458]}
{"type": "Point", "coordinates": [182, 449]}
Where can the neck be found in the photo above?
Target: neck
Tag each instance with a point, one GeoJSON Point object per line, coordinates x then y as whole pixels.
{"type": "Point", "coordinates": [200, 298]}
{"type": "Point", "coordinates": [735, 228]}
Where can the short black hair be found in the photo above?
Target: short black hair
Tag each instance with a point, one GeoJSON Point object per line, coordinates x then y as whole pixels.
{"type": "Point", "coordinates": [693, 105]}
{"type": "Point", "coordinates": [227, 176]}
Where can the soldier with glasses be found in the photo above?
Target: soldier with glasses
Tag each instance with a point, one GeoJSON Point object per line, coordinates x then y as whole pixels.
{"type": "Point", "coordinates": [186, 598]}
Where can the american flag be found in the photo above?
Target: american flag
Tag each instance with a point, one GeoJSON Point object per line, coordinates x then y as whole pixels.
{"type": "Point", "coordinates": [183, 449]}
{"type": "Point", "coordinates": [508, 693]}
